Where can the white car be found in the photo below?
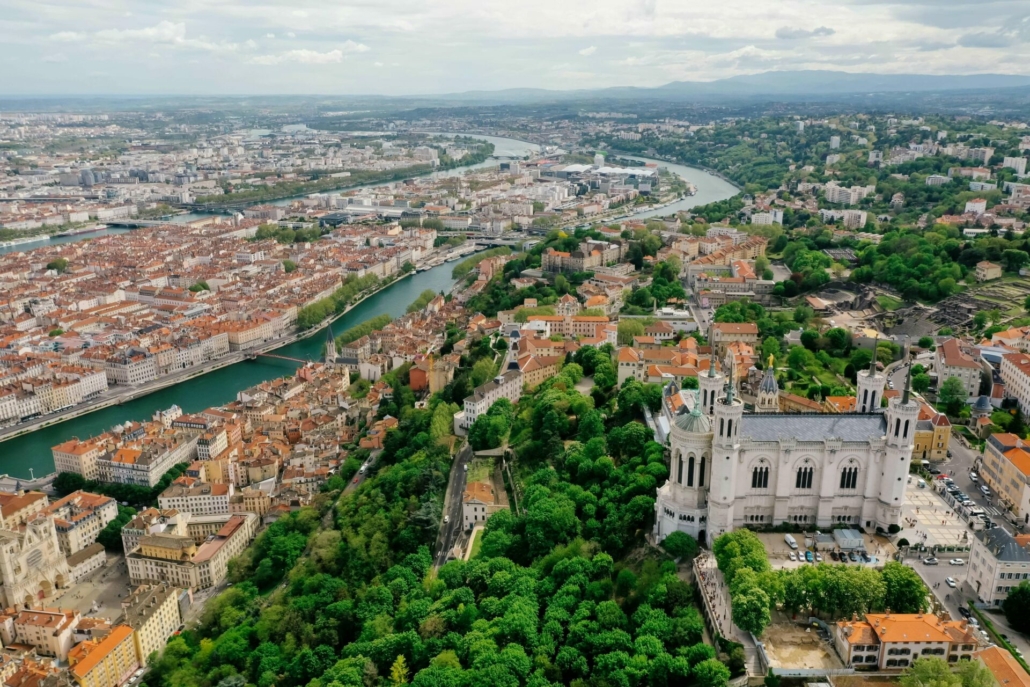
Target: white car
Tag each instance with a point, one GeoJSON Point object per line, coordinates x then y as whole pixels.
{"type": "Point", "coordinates": [818, 558]}
{"type": "Point", "coordinates": [792, 556]}
{"type": "Point", "coordinates": [950, 581]}
{"type": "Point", "coordinates": [956, 561]}
{"type": "Point", "coordinates": [973, 477]}
{"type": "Point", "coordinates": [446, 519]}
{"type": "Point", "coordinates": [985, 490]}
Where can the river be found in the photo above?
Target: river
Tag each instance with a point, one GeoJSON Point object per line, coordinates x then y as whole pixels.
{"type": "Point", "coordinates": [18, 455]}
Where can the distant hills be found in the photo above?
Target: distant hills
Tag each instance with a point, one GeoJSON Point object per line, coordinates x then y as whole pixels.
{"type": "Point", "coordinates": [787, 84]}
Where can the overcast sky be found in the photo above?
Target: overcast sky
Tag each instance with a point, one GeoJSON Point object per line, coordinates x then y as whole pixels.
{"type": "Point", "coordinates": [442, 46]}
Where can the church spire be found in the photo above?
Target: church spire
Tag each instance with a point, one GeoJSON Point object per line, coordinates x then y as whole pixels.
{"type": "Point", "coordinates": [872, 363]}
{"type": "Point", "coordinates": [711, 350]}
{"type": "Point", "coordinates": [908, 386]}
{"type": "Point", "coordinates": [730, 388]}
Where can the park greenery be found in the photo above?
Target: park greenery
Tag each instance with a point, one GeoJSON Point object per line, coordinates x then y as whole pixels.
{"type": "Point", "coordinates": [133, 495]}
{"type": "Point", "coordinates": [564, 589]}
{"type": "Point", "coordinates": [314, 314]}
{"type": "Point", "coordinates": [831, 591]}
{"type": "Point", "coordinates": [286, 235]}
{"type": "Point", "coordinates": [422, 300]}
{"type": "Point", "coordinates": [463, 268]}
{"type": "Point", "coordinates": [370, 325]}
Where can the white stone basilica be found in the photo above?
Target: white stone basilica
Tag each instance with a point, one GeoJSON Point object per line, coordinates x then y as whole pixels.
{"type": "Point", "coordinates": [731, 469]}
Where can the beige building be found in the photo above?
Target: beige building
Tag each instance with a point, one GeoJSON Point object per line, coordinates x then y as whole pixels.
{"type": "Point", "coordinates": [1006, 470]}
{"type": "Point", "coordinates": [724, 333]}
{"type": "Point", "coordinates": [16, 508]}
{"type": "Point", "coordinates": [986, 271]}
{"type": "Point", "coordinates": [1015, 373]}
{"type": "Point", "coordinates": [954, 359]}
{"type": "Point", "coordinates": [198, 498]}
{"type": "Point", "coordinates": [79, 457]}
{"type": "Point", "coordinates": [894, 641]}
{"type": "Point", "coordinates": [152, 521]}
{"type": "Point", "coordinates": [152, 610]}
{"type": "Point", "coordinates": [538, 368]}
{"type": "Point", "coordinates": [79, 518]}
{"type": "Point", "coordinates": [49, 631]}
{"type": "Point", "coordinates": [107, 662]}
{"type": "Point", "coordinates": [179, 561]}
{"type": "Point", "coordinates": [83, 562]}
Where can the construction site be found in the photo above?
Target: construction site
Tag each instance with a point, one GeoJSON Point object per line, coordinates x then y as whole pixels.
{"type": "Point", "coordinates": [790, 646]}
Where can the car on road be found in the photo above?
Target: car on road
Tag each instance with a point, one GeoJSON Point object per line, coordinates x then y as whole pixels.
{"type": "Point", "coordinates": [965, 612]}
{"type": "Point", "coordinates": [808, 556]}
{"type": "Point", "coordinates": [956, 561]}
{"type": "Point", "coordinates": [361, 470]}
{"type": "Point", "coordinates": [930, 561]}
{"type": "Point", "coordinates": [446, 519]}
{"type": "Point", "coordinates": [985, 490]}
{"type": "Point", "coordinates": [792, 556]}
{"type": "Point", "coordinates": [950, 581]}
{"type": "Point", "coordinates": [973, 477]}
{"type": "Point", "coordinates": [356, 480]}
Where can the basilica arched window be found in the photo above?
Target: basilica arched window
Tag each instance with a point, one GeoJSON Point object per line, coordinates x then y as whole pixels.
{"type": "Point", "coordinates": [804, 477]}
{"type": "Point", "coordinates": [690, 471]}
{"type": "Point", "coordinates": [679, 470]}
{"type": "Point", "coordinates": [760, 477]}
{"type": "Point", "coordinates": [701, 473]}
{"type": "Point", "coordinates": [849, 476]}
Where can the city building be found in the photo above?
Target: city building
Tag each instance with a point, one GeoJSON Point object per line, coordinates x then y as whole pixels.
{"type": "Point", "coordinates": [885, 641]}
{"type": "Point", "coordinates": [50, 631]}
{"type": "Point", "coordinates": [998, 562]}
{"type": "Point", "coordinates": [79, 518]}
{"type": "Point", "coordinates": [152, 611]}
{"type": "Point", "coordinates": [508, 385]}
{"type": "Point", "coordinates": [196, 498]}
{"type": "Point", "coordinates": [179, 561]}
{"type": "Point", "coordinates": [1004, 667]}
{"type": "Point", "coordinates": [730, 469]}
{"type": "Point", "coordinates": [106, 662]}
{"type": "Point", "coordinates": [724, 333]}
{"type": "Point", "coordinates": [1006, 469]}
{"type": "Point", "coordinates": [478, 503]}
{"type": "Point", "coordinates": [152, 521]}
{"type": "Point", "coordinates": [955, 359]}
{"type": "Point", "coordinates": [986, 271]}
{"type": "Point", "coordinates": [1015, 373]}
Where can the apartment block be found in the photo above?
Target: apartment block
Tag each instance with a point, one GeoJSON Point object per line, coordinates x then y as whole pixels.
{"type": "Point", "coordinates": [152, 611]}
{"type": "Point", "coordinates": [79, 518]}
{"type": "Point", "coordinates": [106, 662]}
{"type": "Point", "coordinates": [507, 385]}
{"type": "Point", "coordinates": [1006, 470]}
{"type": "Point", "coordinates": [998, 562]}
{"type": "Point", "coordinates": [955, 359]}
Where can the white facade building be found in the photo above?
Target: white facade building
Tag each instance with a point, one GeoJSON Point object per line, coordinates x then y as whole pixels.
{"type": "Point", "coordinates": [730, 469]}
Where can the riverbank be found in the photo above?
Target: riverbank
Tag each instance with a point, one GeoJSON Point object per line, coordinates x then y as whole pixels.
{"type": "Point", "coordinates": [110, 399]}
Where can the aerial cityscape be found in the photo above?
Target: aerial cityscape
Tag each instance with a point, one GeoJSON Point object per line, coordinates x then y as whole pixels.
{"type": "Point", "coordinates": [359, 346]}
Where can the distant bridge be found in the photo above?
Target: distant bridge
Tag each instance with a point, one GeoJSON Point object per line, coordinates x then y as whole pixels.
{"type": "Point", "coordinates": [135, 223]}
{"type": "Point", "coordinates": [255, 356]}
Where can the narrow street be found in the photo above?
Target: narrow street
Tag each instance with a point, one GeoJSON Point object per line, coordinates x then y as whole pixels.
{"type": "Point", "coordinates": [449, 530]}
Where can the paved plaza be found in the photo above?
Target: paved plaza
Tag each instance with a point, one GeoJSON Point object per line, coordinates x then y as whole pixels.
{"type": "Point", "coordinates": [930, 521]}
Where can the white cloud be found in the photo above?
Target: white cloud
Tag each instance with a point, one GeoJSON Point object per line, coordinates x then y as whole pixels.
{"type": "Point", "coordinates": [790, 33]}
{"type": "Point", "coordinates": [301, 56]}
{"type": "Point", "coordinates": [56, 57]}
{"type": "Point", "coordinates": [67, 36]}
{"type": "Point", "coordinates": [586, 52]}
{"type": "Point", "coordinates": [291, 34]}
{"type": "Point", "coordinates": [269, 35]}
{"type": "Point", "coordinates": [377, 64]}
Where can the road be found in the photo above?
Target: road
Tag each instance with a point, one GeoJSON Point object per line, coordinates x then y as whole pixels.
{"type": "Point", "coordinates": [449, 531]}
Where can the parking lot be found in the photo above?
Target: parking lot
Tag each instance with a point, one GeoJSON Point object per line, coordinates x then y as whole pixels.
{"type": "Point", "coordinates": [879, 549]}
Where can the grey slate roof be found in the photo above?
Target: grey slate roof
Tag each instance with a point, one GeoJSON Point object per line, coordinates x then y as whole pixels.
{"type": "Point", "coordinates": [813, 427]}
{"type": "Point", "coordinates": [1003, 546]}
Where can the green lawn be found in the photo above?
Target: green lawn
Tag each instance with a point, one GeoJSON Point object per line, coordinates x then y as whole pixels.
{"type": "Point", "coordinates": [889, 303]}
{"type": "Point", "coordinates": [477, 543]}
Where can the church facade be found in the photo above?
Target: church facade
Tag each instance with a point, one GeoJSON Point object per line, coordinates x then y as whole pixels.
{"type": "Point", "coordinates": [731, 469]}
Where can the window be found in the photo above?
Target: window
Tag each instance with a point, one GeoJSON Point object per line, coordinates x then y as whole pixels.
{"type": "Point", "coordinates": [803, 480]}
{"type": "Point", "coordinates": [690, 471]}
{"type": "Point", "coordinates": [679, 470]}
{"type": "Point", "coordinates": [849, 478]}
{"type": "Point", "coordinates": [701, 473]}
{"type": "Point", "coordinates": [760, 477]}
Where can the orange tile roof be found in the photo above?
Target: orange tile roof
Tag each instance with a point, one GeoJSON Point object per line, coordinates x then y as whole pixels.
{"type": "Point", "coordinates": [1004, 667]}
{"type": "Point", "coordinates": [118, 635]}
{"type": "Point", "coordinates": [1020, 459]}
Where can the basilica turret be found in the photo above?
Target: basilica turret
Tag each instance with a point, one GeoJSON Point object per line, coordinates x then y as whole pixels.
{"type": "Point", "coordinates": [768, 400]}
{"type": "Point", "coordinates": [870, 388]}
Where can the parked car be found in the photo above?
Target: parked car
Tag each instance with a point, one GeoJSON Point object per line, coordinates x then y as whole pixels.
{"type": "Point", "coordinates": [930, 561]}
{"type": "Point", "coordinates": [818, 558]}
{"type": "Point", "coordinates": [934, 471]}
{"type": "Point", "coordinates": [973, 477]}
{"type": "Point", "coordinates": [966, 613]}
{"type": "Point", "coordinates": [956, 561]}
{"type": "Point", "coordinates": [853, 557]}
{"type": "Point", "coordinates": [985, 490]}
{"type": "Point", "coordinates": [808, 556]}
{"type": "Point", "coordinates": [834, 556]}
{"type": "Point", "coordinates": [865, 556]}
{"type": "Point", "coordinates": [922, 484]}
{"type": "Point", "coordinates": [791, 556]}
{"type": "Point", "coordinates": [950, 581]}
